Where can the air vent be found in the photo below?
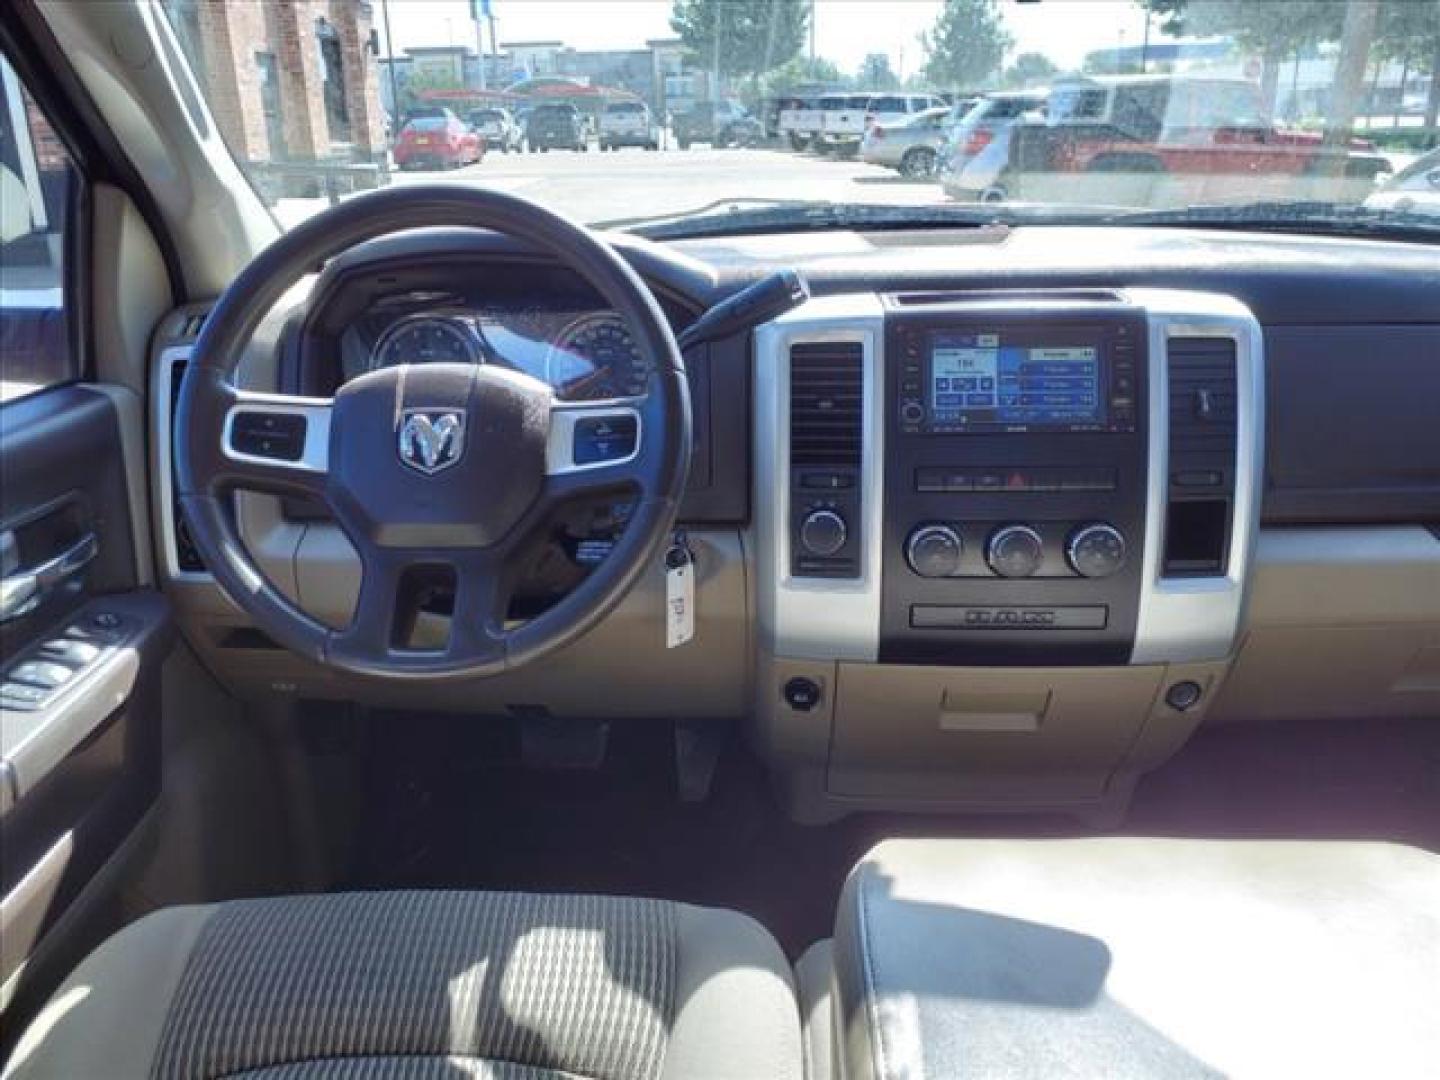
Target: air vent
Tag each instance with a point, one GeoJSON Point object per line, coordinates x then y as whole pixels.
{"type": "Point", "coordinates": [187, 555]}
{"type": "Point", "coordinates": [192, 324]}
{"type": "Point", "coordinates": [826, 398]}
{"type": "Point", "coordinates": [1202, 395]}
{"type": "Point", "coordinates": [1201, 485]}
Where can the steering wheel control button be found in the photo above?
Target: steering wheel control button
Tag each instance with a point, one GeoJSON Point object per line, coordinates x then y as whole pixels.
{"type": "Point", "coordinates": [604, 438]}
{"type": "Point", "coordinates": [933, 551]}
{"type": "Point", "coordinates": [801, 694]}
{"type": "Point", "coordinates": [823, 533]}
{"type": "Point", "coordinates": [1015, 551]}
{"type": "Point", "coordinates": [1183, 695]}
{"type": "Point", "coordinates": [42, 673]}
{"type": "Point", "coordinates": [1096, 551]}
{"type": "Point", "coordinates": [268, 435]}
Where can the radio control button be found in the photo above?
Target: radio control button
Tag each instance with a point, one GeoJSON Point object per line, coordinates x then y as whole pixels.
{"type": "Point", "coordinates": [929, 479]}
{"type": "Point", "coordinates": [1096, 551]}
{"type": "Point", "coordinates": [1015, 551]}
{"type": "Point", "coordinates": [912, 412]}
{"type": "Point", "coordinates": [934, 551]}
{"type": "Point", "coordinates": [822, 533]}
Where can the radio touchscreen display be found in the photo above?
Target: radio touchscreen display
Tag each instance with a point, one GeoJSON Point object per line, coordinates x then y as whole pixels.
{"type": "Point", "coordinates": [987, 381]}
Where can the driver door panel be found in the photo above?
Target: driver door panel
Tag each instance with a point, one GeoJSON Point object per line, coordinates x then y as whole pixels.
{"type": "Point", "coordinates": [82, 636]}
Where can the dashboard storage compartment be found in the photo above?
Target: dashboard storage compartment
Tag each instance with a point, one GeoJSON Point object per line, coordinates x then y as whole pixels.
{"type": "Point", "coordinates": [985, 736]}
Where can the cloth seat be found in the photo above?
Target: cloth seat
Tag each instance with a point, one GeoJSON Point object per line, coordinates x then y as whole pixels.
{"type": "Point", "coordinates": [500, 986]}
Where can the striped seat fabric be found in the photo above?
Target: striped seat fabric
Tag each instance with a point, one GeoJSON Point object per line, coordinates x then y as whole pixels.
{"type": "Point", "coordinates": [425, 984]}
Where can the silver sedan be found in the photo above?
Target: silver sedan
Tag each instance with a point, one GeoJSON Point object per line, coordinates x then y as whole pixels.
{"type": "Point", "coordinates": [912, 146]}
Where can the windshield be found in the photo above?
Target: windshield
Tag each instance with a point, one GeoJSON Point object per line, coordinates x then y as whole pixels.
{"type": "Point", "coordinates": [1293, 114]}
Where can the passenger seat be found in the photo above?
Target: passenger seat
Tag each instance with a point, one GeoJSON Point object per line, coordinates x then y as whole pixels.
{"type": "Point", "coordinates": [1131, 958]}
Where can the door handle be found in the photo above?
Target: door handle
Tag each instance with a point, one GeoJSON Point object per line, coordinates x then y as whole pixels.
{"type": "Point", "coordinates": [21, 592]}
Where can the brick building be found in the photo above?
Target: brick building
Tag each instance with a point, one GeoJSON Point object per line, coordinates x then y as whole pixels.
{"type": "Point", "coordinates": [287, 80]}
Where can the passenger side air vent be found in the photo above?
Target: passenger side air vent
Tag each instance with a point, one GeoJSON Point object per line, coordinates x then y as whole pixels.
{"type": "Point", "coordinates": [826, 387]}
{"type": "Point", "coordinates": [827, 407]}
{"type": "Point", "coordinates": [1201, 482]}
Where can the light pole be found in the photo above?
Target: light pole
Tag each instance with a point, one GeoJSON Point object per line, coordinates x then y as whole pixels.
{"type": "Point", "coordinates": [390, 55]}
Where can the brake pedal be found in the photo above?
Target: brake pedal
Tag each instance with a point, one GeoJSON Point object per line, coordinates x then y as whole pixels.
{"type": "Point", "coordinates": [554, 742]}
{"type": "Point", "coordinates": [697, 753]}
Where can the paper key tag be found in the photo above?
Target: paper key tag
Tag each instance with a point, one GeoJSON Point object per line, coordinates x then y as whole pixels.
{"type": "Point", "coordinates": [679, 595]}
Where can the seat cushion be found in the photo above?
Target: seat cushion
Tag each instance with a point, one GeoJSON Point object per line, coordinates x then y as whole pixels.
{"type": "Point", "coordinates": [418, 984]}
{"type": "Point", "coordinates": [1140, 957]}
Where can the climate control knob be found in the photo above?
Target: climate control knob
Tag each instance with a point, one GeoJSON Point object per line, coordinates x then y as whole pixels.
{"type": "Point", "coordinates": [822, 533]}
{"type": "Point", "coordinates": [1096, 551]}
{"type": "Point", "coordinates": [934, 551]}
{"type": "Point", "coordinates": [1015, 551]}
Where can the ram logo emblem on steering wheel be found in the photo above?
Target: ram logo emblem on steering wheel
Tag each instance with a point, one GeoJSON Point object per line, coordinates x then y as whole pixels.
{"type": "Point", "coordinates": [430, 440]}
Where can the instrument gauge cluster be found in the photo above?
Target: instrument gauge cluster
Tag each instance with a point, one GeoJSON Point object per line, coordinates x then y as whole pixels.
{"type": "Point", "coordinates": [583, 356]}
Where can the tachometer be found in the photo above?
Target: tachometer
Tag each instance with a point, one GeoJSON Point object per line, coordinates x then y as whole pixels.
{"type": "Point", "coordinates": [594, 358]}
{"type": "Point", "coordinates": [426, 339]}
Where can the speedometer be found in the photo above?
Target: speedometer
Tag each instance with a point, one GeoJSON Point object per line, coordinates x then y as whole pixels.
{"type": "Point", "coordinates": [426, 339]}
{"type": "Point", "coordinates": [594, 358]}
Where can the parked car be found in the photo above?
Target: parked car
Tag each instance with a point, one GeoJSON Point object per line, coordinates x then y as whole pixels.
{"type": "Point", "coordinates": [800, 120]}
{"type": "Point", "coordinates": [981, 177]}
{"type": "Point", "coordinates": [1415, 188]}
{"type": "Point", "coordinates": [844, 117]}
{"type": "Point", "coordinates": [498, 128]}
{"type": "Point", "coordinates": [1187, 126]}
{"type": "Point", "coordinates": [971, 129]}
{"type": "Point", "coordinates": [437, 141]}
{"type": "Point", "coordinates": [719, 123]}
{"type": "Point", "coordinates": [628, 123]}
{"type": "Point", "coordinates": [557, 127]}
{"type": "Point", "coordinates": [911, 145]}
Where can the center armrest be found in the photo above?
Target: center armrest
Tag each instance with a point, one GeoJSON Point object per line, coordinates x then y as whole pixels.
{"type": "Point", "coordinates": [1138, 957]}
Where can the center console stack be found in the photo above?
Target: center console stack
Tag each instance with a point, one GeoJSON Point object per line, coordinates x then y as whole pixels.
{"type": "Point", "coordinates": [1002, 540]}
{"type": "Point", "coordinates": [1015, 479]}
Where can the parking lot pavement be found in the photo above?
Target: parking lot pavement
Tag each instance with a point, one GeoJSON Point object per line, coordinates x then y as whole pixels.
{"type": "Point", "coordinates": [595, 186]}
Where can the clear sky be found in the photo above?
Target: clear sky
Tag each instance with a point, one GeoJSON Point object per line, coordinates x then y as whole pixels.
{"type": "Point", "coordinates": [845, 30]}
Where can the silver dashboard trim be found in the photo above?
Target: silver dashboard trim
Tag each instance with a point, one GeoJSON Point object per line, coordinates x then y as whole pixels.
{"type": "Point", "coordinates": [162, 391]}
{"type": "Point", "coordinates": [314, 455]}
{"type": "Point", "coordinates": [1181, 620]}
{"type": "Point", "coordinates": [560, 442]}
{"type": "Point", "coordinates": [817, 618]}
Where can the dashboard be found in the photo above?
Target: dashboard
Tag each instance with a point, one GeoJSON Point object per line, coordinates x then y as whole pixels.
{"type": "Point", "coordinates": [989, 522]}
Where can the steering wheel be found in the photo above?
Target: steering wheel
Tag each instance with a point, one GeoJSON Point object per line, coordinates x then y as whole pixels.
{"type": "Point", "coordinates": [435, 472]}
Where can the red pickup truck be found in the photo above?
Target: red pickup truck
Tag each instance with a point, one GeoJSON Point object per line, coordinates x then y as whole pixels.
{"type": "Point", "coordinates": [1187, 126]}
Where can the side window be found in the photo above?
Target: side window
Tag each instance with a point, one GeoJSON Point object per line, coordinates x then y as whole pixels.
{"type": "Point", "coordinates": [36, 175]}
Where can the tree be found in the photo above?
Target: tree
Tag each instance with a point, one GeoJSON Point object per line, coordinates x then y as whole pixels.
{"type": "Point", "coordinates": [1361, 18]}
{"type": "Point", "coordinates": [415, 89]}
{"type": "Point", "coordinates": [965, 47]}
{"type": "Point", "coordinates": [741, 37]}
{"type": "Point", "coordinates": [876, 74]}
{"type": "Point", "coordinates": [1409, 31]}
{"type": "Point", "coordinates": [1029, 67]}
{"type": "Point", "coordinates": [1275, 30]}
{"type": "Point", "coordinates": [803, 71]}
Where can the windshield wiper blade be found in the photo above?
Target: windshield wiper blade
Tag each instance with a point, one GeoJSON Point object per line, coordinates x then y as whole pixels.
{"type": "Point", "coordinates": [803, 215]}
{"type": "Point", "coordinates": [1280, 214]}
{"type": "Point", "coordinates": [735, 204]}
